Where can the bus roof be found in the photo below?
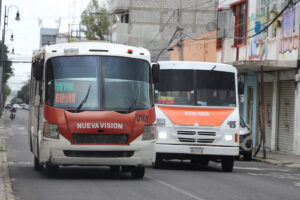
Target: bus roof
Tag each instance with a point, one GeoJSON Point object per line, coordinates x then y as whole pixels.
{"type": "Point", "coordinates": [196, 66]}
{"type": "Point", "coordinates": [91, 48]}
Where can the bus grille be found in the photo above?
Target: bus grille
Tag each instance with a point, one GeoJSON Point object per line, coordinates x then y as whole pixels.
{"type": "Point", "coordinates": [206, 133]}
{"type": "Point", "coordinates": [187, 139]}
{"type": "Point", "coordinates": [186, 132]}
{"type": "Point", "coordinates": [100, 138]}
{"type": "Point", "coordinates": [98, 154]}
{"type": "Point", "coordinates": [205, 140]}
{"type": "Point", "coordinates": [200, 137]}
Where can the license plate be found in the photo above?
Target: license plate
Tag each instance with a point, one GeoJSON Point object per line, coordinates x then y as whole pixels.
{"type": "Point", "coordinates": [196, 150]}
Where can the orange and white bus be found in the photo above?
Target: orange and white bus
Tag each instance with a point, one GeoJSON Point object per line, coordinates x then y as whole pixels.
{"type": "Point", "coordinates": [197, 113]}
{"type": "Point", "coordinates": [91, 103]}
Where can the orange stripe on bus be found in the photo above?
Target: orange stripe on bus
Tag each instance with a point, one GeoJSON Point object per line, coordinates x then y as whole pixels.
{"type": "Point", "coordinates": [196, 116]}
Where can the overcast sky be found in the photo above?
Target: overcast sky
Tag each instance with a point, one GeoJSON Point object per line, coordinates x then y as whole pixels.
{"type": "Point", "coordinates": [27, 30]}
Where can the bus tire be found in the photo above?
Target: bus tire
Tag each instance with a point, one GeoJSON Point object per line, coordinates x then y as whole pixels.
{"type": "Point", "coordinates": [36, 164]}
{"type": "Point", "coordinates": [227, 164]}
{"type": "Point", "coordinates": [138, 172]}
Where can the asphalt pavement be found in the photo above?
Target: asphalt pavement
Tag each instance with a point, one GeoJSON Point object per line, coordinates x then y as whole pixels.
{"type": "Point", "coordinates": [177, 180]}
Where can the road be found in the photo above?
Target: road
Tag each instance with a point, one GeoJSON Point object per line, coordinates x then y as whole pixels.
{"type": "Point", "coordinates": [249, 180]}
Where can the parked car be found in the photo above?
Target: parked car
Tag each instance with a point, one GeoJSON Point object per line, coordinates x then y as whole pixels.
{"type": "Point", "coordinates": [245, 141]}
{"type": "Point", "coordinates": [16, 106]}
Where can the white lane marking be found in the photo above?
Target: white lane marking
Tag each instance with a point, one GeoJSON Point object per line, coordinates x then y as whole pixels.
{"type": "Point", "coordinates": [262, 169]}
{"type": "Point", "coordinates": [175, 188]}
{"type": "Point", "coordinates": [21, 128]}
{"type": "Point", "coordinates": [297, 184]}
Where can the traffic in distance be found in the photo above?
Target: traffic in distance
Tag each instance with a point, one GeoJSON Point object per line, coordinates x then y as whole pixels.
{"type": "Point", "coordinates": [94, 103]}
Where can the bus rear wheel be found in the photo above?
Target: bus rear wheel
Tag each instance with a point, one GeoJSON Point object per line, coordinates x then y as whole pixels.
{"type": "Point", "coordinates": [138, 172]}
{"type": "Point", "coordinates": [227, 164]}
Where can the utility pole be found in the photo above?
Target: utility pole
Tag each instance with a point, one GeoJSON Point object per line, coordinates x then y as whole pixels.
{"type": "Point", "coordinates": [180, 29]}
{"type": "Point", "coordinates": [262, 97]}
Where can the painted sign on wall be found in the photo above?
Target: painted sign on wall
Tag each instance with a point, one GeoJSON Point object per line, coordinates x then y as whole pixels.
{"type": "Point", "coordinates": [288, 38]}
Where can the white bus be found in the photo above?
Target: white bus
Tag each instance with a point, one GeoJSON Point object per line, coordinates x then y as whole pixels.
{"type": "Point", "coordinates": [197, 113]}
{"type": "Point", "coordinates": [91, 103]}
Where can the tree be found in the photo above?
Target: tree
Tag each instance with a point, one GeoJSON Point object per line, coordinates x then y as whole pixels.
{"type": "Point", "coordinates": [23, 94]}
{"type": "Point", "coordinates": [8, 72]}
{"type": "Point", "coordinates": [7, 92]}
{"type": "Point", "coordinates": [96, 25]}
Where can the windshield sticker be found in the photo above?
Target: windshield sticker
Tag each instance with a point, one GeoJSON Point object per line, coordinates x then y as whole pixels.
{"type": "Point", "coordinates": [165, 100]}
{"type": "Point", "coordinates": [65, 98]}
{"type": "Point", "coordinates": [64, 86]}
{"type": "Point", "coordinates": [107, 125]}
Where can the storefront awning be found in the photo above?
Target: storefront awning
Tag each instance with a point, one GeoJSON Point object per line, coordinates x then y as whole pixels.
{"type": "Point", "coordinates": [268, 65]}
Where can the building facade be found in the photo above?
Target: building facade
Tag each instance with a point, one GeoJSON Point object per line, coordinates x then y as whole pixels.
{"type": "Point", "coordinates": [151, 23]}
{"type": "Point", "coordinates": [264, 46]}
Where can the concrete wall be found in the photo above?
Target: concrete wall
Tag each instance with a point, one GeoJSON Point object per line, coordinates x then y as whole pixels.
{"type": "Point", "coordinates": [148, 20]}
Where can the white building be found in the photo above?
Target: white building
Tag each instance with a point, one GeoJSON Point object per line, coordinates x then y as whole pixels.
{"type": "Point", "coordinates": [276, 49]}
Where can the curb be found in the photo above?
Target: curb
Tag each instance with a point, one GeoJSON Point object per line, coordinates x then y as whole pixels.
{"type": "Point", "coordinates": [276, 162]}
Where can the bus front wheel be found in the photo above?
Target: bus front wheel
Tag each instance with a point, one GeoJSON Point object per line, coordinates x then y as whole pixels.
{"type": "Point", "coordinates": [227, 164]}
{"type": "Point", "coordinates": [36, 164]}
{"type": "Point", "coordinates": [138, 172]}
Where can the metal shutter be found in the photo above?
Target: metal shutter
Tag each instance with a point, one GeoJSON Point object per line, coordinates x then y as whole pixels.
{"type": "Point", "coordinates": [268, 92]}
{"type": "Point", "coordinates": [286, 116]}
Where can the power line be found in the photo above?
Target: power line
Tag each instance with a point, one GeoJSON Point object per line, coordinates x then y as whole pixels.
{"type": "Point", "coordinates": [162, 29]}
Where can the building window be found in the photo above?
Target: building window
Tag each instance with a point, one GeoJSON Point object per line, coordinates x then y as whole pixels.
{"type": "Point", "coordinates": [125, 18]}
{"type": "Point", "coordinates": [240, 29]}
{"type": "Point", "coordinates": [225, 26]}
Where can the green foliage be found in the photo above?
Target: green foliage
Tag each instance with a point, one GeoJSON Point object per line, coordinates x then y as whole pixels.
{"type": "Point", "coordinates": [16, 100]}
{"type": "Point", "coordinates": [96, 25]}
{"type": "Point", "coordinates": [6, 92]}
{"type": "Point", "coordinates": [8, 70]}
{"type": "Point", "coordinates": [23, 94]}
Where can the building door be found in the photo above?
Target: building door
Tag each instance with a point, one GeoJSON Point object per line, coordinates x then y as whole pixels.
{"type": "Point", "coordinates": [285, 135]}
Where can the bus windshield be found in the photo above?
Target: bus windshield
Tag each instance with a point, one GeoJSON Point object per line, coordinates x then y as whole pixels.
{"type": "Point", "coordinates": [104, 82]}
{"type": "Point", "coordinates": [196, 88]}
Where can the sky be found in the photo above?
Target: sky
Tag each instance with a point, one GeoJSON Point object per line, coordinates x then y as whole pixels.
{"type": "Point", "coordinates": [27, 31]}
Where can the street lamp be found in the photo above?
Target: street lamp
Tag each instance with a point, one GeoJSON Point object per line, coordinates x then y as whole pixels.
{"type": "Point", "coordinates": [6, 13]}
{"type": "Point", "coordinates": [12, 35]}
{"type": "Point", "coordinates": [12, 49]}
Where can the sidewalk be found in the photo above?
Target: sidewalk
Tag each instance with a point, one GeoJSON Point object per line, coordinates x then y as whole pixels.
{"type": "Point", "coordinates": [282, 159]}
{"type": "Point", "coordinates": [5, 182]}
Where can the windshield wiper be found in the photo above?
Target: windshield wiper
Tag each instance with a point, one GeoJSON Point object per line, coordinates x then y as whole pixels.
{"type": "Point", "coordinates": [84, 99]}
{"type": "Point", "coordinates": [212, 70]}
{"type": "Point", "coordinates": [134, 102]}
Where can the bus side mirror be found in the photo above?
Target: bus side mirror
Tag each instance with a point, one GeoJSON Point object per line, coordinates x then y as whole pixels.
{"type": "Point", "coordinates": [155, 72]}
{"type": "Point", "coordinates": [38, 68]}
{"type": "Point", "coordinates": [241, 88]}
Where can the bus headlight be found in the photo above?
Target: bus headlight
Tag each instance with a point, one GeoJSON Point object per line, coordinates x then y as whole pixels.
{"type": "Point", "coordinates": [150, 132]}
{"type": "Point", "coordinates": [228, 137]}
{"type": "Point", "coordinates": [162, 135]}
{"type": "Point", "coordinates": [50, 130]}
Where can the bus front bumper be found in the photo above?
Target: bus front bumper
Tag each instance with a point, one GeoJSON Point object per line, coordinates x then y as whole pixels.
{"type": "Point", "coordinates": [197, 150]}
{"type": "Point", "coordinates": [138, 153]}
